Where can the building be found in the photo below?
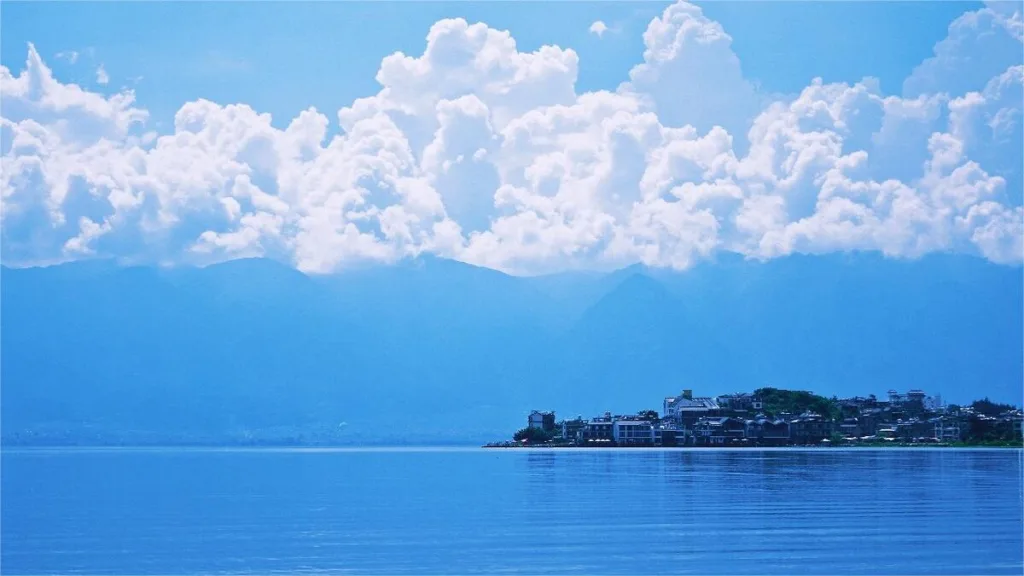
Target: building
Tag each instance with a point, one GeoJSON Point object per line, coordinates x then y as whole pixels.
{"type": "Point", "coordinates": [718, 431]}
{"type": "Point", "coordinates": [850, 428]}
{"type": "Point", "coordinates": [947, 429]}
{"type": "Point", "coordinates": [852, 407]}
{"type": "Point", "coordinates": [1008, 426]}
{"type": "Point", "coordinates": [771, 432]}
{"type": "Point", "coordinates": [571, 428]}
{"type": "Point", "coordinates": [934, 403]}
{"type": "Point", "coordinates": [809, 428]}
{"type": "Point", "coordinates": [740, 402]}
{"type": "Point", "coordinates": [542, 420]}
{"type": "Point", "coordinates": [686, 410]}
{"type": "Point", "coordinates": [633, 433]}
{"type": "Point", "coordinates": [915, 429]}
{"type": "Point", "coordinates": [598, 430]}
{"type": "Point", "coordinates": [668, 407]}
{"type": "Point", "coordinates": [914, 403]}
{"type": "Point", "coordinates": [666, 434]}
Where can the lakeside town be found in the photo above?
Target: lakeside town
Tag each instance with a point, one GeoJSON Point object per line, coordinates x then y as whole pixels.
{"type": "Point", "coordinates": [771, 417]}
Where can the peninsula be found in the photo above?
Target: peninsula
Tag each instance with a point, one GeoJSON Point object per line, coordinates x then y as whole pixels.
{"type": "Point", "coordinates": [776, 417]}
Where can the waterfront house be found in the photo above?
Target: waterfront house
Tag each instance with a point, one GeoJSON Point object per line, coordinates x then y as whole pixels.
{"type": "Point", "coordinates": [633, 432]}
{"type": "Point", "coordinates": [708, 432]}
{"type": "Point", "coordinates": [686, 409]}
{"type": "Point", "coordinates": [771, 432]}
{"type": "Point", "coordinates": [718, 430]}
{"type": "Point", "coordinates": [598, 430]}
{"type": "Point", "coordinates": [542, 420]}
{"type": "Point", "coordinates": [666, 434]}
{"type": "Point", "coordinates": [809, 428]}
{"type": "Point", "coordinates": [850, 428]}
{"type": "Point", "coordinates": [571, 428]}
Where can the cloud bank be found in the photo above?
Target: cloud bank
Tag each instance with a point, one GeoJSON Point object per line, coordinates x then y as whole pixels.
{"type": "Point", "coordinates": [477, 151]}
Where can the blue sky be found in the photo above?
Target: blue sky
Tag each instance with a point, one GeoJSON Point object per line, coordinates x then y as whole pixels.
{"type": "Point", "coordinates": [680, 132]}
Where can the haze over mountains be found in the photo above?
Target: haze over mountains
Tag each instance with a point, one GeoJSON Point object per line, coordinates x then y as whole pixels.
{"type": "Point", "coordinates": [432, 349]}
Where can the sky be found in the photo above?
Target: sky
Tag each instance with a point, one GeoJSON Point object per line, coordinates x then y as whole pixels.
{"type": "Point", "coordinates": [525, 137]}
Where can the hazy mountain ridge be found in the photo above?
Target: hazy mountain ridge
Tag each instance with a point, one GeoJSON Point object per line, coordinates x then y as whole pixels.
{"type": "Point", "coordinates": [436, 348]}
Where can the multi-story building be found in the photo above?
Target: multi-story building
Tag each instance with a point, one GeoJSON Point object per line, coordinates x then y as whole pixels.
{"type": "Point", "coordinates": [718, 430]}
{"type": "Point", "coordinates": [598, 430]}
{"type": "Point", "coordinates": [666, 434]}
{"type": "Point", "coordinates": [633, 433]}
{"type": "Point", "coordinates": [915, 429]}
{"type": "Point", "coordinates": [740, 402]}
{"type": "Point", "coordinates": [852, 407]}
{"type": "Point", "coordinates": [809, 428]}
{"type": "Point", "coordinates": [685, 409]}
{"type": "Point", "coordinates": [914, 403]}
{"type": "Point", "coordinates": [934, 403]}
{"type": "Point", "coordinates": [767, 431]}
{"type": "Point", "coordinates": [850, 428]}
{"type": "Point", "coordinates": [542, 420]}
{"type": "Point", "coordinates": [947, 428]}
{"type": "Point", "coordinates": [571, 428]}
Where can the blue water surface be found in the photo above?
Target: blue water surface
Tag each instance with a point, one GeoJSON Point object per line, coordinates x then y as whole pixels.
{"type": "Point", "coordinates": [472, 511]}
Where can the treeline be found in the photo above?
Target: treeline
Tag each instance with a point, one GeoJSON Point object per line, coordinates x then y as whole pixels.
{"type": "Point", "coordinates": [775, 401]}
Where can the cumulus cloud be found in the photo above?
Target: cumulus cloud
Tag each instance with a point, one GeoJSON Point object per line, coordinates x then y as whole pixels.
{"type": "Point", "coordinates": [479, 151]}
{"type": "Point", "coordinates": [598, 28]}
{"type": "Point", "coordinates": [101, 75]}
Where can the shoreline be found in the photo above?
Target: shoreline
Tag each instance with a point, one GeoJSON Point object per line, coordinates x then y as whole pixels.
{"type": "Point", "coordinates": [886, 446]}
{"type": "Point", "coordinates": [466, 446]}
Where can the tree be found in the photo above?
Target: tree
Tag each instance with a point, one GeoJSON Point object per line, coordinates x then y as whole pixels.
{"type": "Point", "coordinates": [532, 436]}
{"type": "Point", "coordinates": [648, 415]}
{"type": "Point", "coordinates": [776, 401]}
{"type": "Point", "coordinates": [989, 408]}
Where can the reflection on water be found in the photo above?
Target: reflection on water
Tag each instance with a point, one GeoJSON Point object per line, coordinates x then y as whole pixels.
{"type": "Point", "coordinates": [825, 511]}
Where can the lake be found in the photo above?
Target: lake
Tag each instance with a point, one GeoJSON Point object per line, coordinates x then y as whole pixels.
{"type": "Point", "coordinates": [471, 511]}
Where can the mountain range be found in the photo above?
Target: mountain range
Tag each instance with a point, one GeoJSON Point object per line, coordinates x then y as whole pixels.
{"type": "Point", "coordinates": [433, 350]}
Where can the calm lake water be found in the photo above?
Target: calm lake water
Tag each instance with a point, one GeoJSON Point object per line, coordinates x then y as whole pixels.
{"type": "Point", "coordinates": [825, 511]}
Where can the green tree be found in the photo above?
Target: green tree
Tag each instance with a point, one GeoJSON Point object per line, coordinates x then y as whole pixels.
{"type": "Point", "coordinates": [989, 408]}
{"type": "Point", "coordinates": [532, 436]}
{"type": "Point", "coordinates": [776, 400]}
{"type": "Point", "coordinates": [649, 415]}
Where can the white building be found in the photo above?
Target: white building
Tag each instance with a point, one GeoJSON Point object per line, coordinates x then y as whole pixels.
{"type": "Point", "coordinates": [685, 409]}
{"type": "Point", "coordinates": [633, 432]}
{"type": "Point", "coordinates": [542, 420]}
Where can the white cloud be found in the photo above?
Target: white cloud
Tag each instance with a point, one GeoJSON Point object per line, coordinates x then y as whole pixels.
{"type": "Point", "coordinates": [71, 56]}
{"type": "Point", "coordinates": [101, 75]}
{"type": "Point", "coordinates": [478, 151]}
{"type": "Point", "coordinates": [980, 44]}
{"type": "Point", "coordinates": [598, 28]}
{"type": "Point", "coordinates": [691, 75]}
